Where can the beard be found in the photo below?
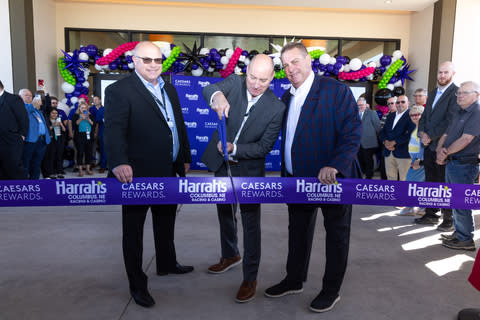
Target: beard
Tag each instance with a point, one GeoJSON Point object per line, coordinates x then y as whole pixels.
{"type": "Point", "coordinates": [445, 82]}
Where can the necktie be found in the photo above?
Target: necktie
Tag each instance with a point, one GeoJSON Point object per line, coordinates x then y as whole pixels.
{"type": "Point", "coordinates": [437, 97]}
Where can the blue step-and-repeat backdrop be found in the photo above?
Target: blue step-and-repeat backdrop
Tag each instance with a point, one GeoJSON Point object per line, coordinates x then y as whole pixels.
{"type": "Point", "coordinates": [201, 121]}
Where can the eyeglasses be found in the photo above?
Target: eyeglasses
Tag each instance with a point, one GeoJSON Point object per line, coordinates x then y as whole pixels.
{"type": "Point", "coordinates": [401, 101]}
{"type": "Point", "coordinates": [415, 115]}
{"type": "Point", "coordinates": [419, 95]}
{"type": "Point", "coordinates": [463, 93]}
{"type": "Point", "coordinates": [149, 60]}
{"type": "Point", "coordinates": [391, 103]}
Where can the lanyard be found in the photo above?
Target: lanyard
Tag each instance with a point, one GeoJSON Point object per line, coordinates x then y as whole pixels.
{"type": "Point", "coordinates": [162, 105]}
{"type": "Point", "coordinates": [245, 118]}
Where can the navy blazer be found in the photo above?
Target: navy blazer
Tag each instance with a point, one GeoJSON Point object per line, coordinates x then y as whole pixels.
{"type": "Point", "coordinates": [328, 130]}
{"type": "Point", "coordinates": [400, 134]}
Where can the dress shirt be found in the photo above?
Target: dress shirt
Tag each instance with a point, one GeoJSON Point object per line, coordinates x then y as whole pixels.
{"type": "Point", "coordinates": [397, 117]}
{"type": "Point", "coordinates": [299, 96]}
{"type": "Point", "coordinates": [440, 91]}
{"type": "Point", "coordinates": [251, 102]}
{"type": "Point", "coordinates": [166, 110]}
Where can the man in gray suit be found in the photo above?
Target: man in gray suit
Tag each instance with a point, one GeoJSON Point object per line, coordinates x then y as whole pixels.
{"type": "Point", "coordinates": [369, 140]}
{"type": "Point", "coordinates": [254, 118]}
{"type": "Point", "coordinates": [439, 111]}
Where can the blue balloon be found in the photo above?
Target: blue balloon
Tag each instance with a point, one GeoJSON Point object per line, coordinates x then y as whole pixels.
{"type": "Point", "coordinates": [194, 66]}
{"type": "Point", "coordinates": [113, 65]}
{"type": "Point", "coordinates": [382, 69]}
{"type": "Point", "coordinates": [68, 95]}
{"type": "Point", "coordinates": [125, 67]}
{"type": "Point", "coordinates": [91, 50]}
{"type": "Point", "coordinates": [78, 85]}
{"type": "Point", "coordinates": [385, 60]}
{"type": "Point", "coordinates": [322, 67]}
{"type": "Point", "coordinates": [330, 68]}
{"type": "Point", "coordinates": [69, 103]}
{"type": "Point", "coordinates": [326, 74]}
{"type": "Point", "coordinates": [84, 90]}
{"type": "Point", "coordinates": [129, 59]}
{"type": "Point", "coordinates": [76, 93]}
{"type": "Point", "coordinates": [338, 65]}
{"type": "Point", "coordinates": [316, 63]}
{"type": "Point", "coordinates": [81, 79]}
{"type": "Point", "coordinates": [245, 53]}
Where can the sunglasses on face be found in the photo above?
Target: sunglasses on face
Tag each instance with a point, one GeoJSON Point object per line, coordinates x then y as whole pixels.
{"type": "Point", "coordinates": [149, 60]}
{"type": "Point", "coordinates": [401, 101]}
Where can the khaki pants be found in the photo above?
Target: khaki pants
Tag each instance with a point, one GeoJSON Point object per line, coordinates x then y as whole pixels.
{"type": "Point", "coordinates": [396, 167]}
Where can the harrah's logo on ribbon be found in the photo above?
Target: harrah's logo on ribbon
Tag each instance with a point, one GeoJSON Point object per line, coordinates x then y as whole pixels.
{"type": "Point", "coordinates": [316, 191]}
{"type": "Point", "coordinates": [81, 188]}
{"type": "Point", "coordinates": [191, 97]}
{"type": "Point", "coordinates": [214, 191]}
{"type": "Point", "coordinates": [430, 196]}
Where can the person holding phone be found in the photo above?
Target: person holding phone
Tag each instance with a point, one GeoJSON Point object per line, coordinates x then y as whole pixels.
{"type": "Point", "coordinates": [84, 126]}
{"type": "Point", "coordinates": [53, 161]}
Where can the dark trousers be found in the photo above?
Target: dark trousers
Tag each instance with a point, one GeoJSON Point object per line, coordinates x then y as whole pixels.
{"type": "Point", "coordinates": [53, 160]}
{"type": "Point", "coordinates": [11, 164]}
{"type": "Point", "coordinates": [33, 156]}
{"type": "Point", "coordinates": [251, 236]}
{"type": "Point", "coordinates": [84, 147]}
{"type": "Point", "coordinates": [337, 220]}
{"type": "Point", "coordinates": [103, 155]}
{"type": "Point", "coordinates": [365, 157]}
{"type": "Point", "coordinates": [434, 173]}
{"type": "Point", "coordinates": [133, 220]}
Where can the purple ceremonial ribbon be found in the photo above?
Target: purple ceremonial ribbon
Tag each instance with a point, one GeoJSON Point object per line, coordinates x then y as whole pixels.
{"type": "Point", "coordinates": [222, 132]}
{"type": "Point", "coordinates": [201, 190]}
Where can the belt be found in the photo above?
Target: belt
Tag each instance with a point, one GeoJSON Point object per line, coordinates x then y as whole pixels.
{"type": "Point", "coordinates": [466, 158]}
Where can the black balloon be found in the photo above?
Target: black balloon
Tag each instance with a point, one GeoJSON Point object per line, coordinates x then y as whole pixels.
{"type": "Point", "coordinates": [278, 68]}
{"type": "Point", "coordinates": [382, 96]}
{"type": "Point", "coordinates": [398, 91]}
{"type": "Point", "coordinates": [212, 63]}
{"type": "Point", "coordinates": [267, 52]}
{"type": "Point", "coordinates": [241, 64]}
{"type": "Point", "coordinates": [348, 59]}
{"type": "Point", "coordinates": [222, 52]}
{"type": "Point", "coordinates": [252, 54]}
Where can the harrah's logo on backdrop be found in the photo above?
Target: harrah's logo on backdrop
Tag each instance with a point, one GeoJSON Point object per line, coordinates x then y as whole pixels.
{"type": "Point", "coordinates": [285, 86]}
{"type": "Point", "coordinates": [191, 97]}
{"type": "Point", "coordinates": [191, 125]}
{"type": "Point", "coordinates": [203, 84]}
{"type": "Point", "coordinates": [80, 188]}
{"type": "Point", "coordinates": [183, 83]}
{"type": "Point", "coordinates": [203, 111]}
{"type": "Point", "coordinates": [201, 138]}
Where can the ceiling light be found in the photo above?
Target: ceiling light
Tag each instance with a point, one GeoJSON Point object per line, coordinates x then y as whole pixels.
{"type": "Point", "coordinates": [388, 1]}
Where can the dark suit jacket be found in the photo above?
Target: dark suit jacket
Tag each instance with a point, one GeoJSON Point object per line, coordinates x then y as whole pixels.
{"type": "Point", "coordinates": [400, 134]}
{"type": "Point", "coordinates": [136, 132]}
{"type": "Point", "coordinates": [259, 132]}
{"type": "Point", "coordinates": [328, 131]}
{"type": "Point", "coordinates": [435, 122]}
{"type": "Point", "coordinates": [13, 119]}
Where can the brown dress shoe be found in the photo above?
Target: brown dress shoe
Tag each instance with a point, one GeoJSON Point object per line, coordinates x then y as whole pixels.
{"type": "Point", "coordinates": [246, 292]}
{"type": "Point", "coordinates": [225, 264]}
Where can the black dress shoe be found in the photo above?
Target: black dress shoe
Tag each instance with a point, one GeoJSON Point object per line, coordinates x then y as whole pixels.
{"type": "Point", "coordinates": [178, 269]}
{"type": "Point", "coordinates": [143, 298]}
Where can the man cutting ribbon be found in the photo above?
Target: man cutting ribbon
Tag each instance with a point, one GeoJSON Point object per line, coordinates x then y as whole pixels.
{"type": "Point", "coordinates": [254, 118]}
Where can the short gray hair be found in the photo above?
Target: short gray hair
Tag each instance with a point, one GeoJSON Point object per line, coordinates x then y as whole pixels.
{"type": "Point", "coordinates": [416, 109]}
{"type": "Point", "coordinates": [422, 91]}
{"type": "Point", "coordinates": [475, 85]}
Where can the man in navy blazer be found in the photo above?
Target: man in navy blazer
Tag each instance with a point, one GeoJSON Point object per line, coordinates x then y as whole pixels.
{"type": "Point", "coordinates": [145, 136]}
{"type": "Point", "coordinates": [320, 138]}
{"type": "Point", "coordinates": [13, 130]}
{"type": "Point", "coordinates": [439, 111]}
{"type": "Point", "coordinates": [395, 136]}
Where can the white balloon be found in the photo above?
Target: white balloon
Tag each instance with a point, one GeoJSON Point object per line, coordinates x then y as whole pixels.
{"type": "Point", "coordinates": [237, 70]}
{"type": "Point", "coordinates": [378, 64]}
{"type": "Point", "coordinates": [390, 86]}
{"type": "Point", "coordinates": [167, 53]}
{"type": "Point", "coordinates": [98, 67]}
{"type": "Point", "coordinates": [320, 73]}
{"type": "Point", "coordinates": [342, 69]}
{"type": "Point", "coordinates": [324, 58]}
{"type": "Point", "coordinates": [247, 62]}
{"type": "Point", "coordinates": [224, 60]}
{"type": "Point", "coordinates": [64, 100]}
{"type": "Point", "coordinates": [210, 69]}
{"type": "Point", "coordinates": [332, 60]}
{"type": "Point", "coordinates": [241, 58]}
{"type": "Point", "coordinates": [86, 84]}
{"type": "Point", "coordinates": [74, 100]}
{"type": "Point", "coordinates": [371, 64]}
{"type": "Point", "coordinates": [83, 56]}
{"type": "Point", "coordinates": [107, 51]}
{"type": "Point", "coordinates": [277, 60]}
{"type": "Point", "coordinates": [86, 73]}
{"type": "Point", "coordinates": [370, 77]}
{"type": "Point", "coordinates": [131, 65]}
{"type": "Point", "coordinates": [204, 51]}
{"type": "Point", "coordinates": [129, 53]}
{"type": "Point", "coordinates": [229, 53]}
{"type": "Point", "coordinates": [397, 54]}
{"type": "Point", "coordinates": [355, 64]}
{"type": "Point", "coordinates": [346, 68]}
{"type": "Point", "coordinates": [67, 87]}
{"type": "Point", "coordinates": [398, 83]}
{"type": "Point", "coordinates": [197, 72]}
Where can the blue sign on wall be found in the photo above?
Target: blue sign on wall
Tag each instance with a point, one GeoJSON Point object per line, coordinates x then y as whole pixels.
{"type": "Point", "coordinates": [201, 121]}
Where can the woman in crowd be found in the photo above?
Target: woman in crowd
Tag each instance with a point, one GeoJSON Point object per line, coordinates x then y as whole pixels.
{"type": "Point", "coordinates": [416, 171]}
{"type": "Point", "coordinates": [83, 125]}
{"type": "Point", "coordinates": [53, 161]}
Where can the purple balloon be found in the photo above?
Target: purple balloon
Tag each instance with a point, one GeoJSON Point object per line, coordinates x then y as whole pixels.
{"type": "Point", "coordinates": [217, 56]}
{"type": "Point", "coordinates": [113, 65]}
{"type": "Point", "coordinates": [330, 68]}
{"type": "Point", "coordinates": [91, 50]}
{"type": "Point", "coordinates": [129, 59]}
{"type": "Point", "coordinates": [76, 93]}
{"type": "Point", "coordinates": [69, 103]}
{"type": "Point", "coordinates": [244, 69]}
{"type": "Point", "coordinates": [81, 79]}
{"type": "Point", "coordinates": [322, 67]}
{"type": "Point", "coordinates": [338, 65]}
{"type": "Point", "coordinates": [245, 53]}
{"type": "Point", "coordinates": [78, 85]}
{"type": "Point", "coordinates": [194, 66]}
{"type": "Point", "coordinates": [316, 63]}
{"type": "Point", "coordinates": [385, 60]}
{"type": "Point", "coordinates": [68, 95]}
{"type": "Point", "coordinates": [213, 51]}
{"type": "Point", "coordinates": [326, 74]}
{"type": "Point", "coordinates": [314, 69]}
{"type": "Point", "coordinates": [82, 49]}
{"type": "Point", "coordinates": [382, 69]}
{"type": "Point", "coordinates": [341, 59]}
{"type": "Point", "coordinates": [84, 90]}
{"type": "Point", "coordinates": [125, 67]}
